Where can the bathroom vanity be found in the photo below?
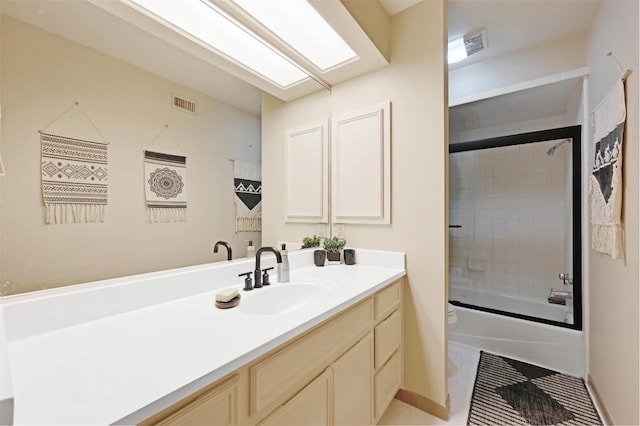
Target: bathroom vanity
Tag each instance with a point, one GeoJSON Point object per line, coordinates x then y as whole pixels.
{"type": "Point", "coordinates": [325, 348]}
{"type": "Point", "coordinates": [343, 371]}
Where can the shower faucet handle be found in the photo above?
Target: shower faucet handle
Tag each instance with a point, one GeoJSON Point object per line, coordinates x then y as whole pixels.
{"type": "Point", "coordinates": [566, 278]}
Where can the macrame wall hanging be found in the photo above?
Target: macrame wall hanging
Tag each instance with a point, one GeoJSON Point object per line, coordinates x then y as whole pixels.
{"type": "Point", "coordinates": [74, 171]}
{"type": "Point", "coordinates": [165, 177]}
{"type": "Point", "coordinates": [605, 182]}
{"type": "Point", "coordinates": [247, 183]}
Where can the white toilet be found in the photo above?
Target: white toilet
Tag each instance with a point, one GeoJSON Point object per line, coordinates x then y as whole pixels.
{"type": "Point", "coordinates": [452, 318]}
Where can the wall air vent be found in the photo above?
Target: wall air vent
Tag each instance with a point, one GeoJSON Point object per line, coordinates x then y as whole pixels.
{"type": "Point", "coordinates": [475, 42]}
{"type": "Point", "coordinates": [184, 104]}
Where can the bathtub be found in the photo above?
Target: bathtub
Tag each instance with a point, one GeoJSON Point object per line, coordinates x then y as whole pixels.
{"type": "Point", "coordinates": [558, 348]}
{"type": "Point", "coordinates": [462, 290]}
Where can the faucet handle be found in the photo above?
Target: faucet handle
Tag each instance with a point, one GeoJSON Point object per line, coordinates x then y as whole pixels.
{"type": "Point", "coordinates": [248, 282]}
{"type": "Point", "coordinates": [566, 278]}
{"type": "Point", "coordinates": [265, 276]}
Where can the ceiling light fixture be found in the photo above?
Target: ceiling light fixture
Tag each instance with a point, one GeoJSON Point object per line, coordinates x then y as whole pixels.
{"type": "Point", "coordinates": [456, 51]}
{"type": "Point", "coordinates": [300, 26]}
{"type": "Point", "coordinates": [467, 45]}
{"type": "Point", "coordinates": [221, 33]}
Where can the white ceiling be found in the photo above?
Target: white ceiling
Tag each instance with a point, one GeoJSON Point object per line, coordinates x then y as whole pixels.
{"type": "Point", "coordinates": [125, 33]}
{"type": "Point", "coordinates": [511, 25]}
{"type": "Point", "coordinates": [518, 24]}
{"type": "Point", "coordinates": [514, 25]}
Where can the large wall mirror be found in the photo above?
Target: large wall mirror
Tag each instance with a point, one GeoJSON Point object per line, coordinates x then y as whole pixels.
{"type": "Point", "coordinates": [124, 79]}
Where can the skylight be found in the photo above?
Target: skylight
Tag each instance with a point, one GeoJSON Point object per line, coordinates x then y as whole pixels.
{"type": "Point", "coordinates": [221, 33]}
{"type": "Point", "coordinates": [299, 25]}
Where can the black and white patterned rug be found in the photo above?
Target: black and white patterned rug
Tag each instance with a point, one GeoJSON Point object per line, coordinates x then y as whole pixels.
{"type": "Point", "coordinates": [510, 392]}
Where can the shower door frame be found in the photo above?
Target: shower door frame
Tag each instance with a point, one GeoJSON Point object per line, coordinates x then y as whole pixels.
{"type": "Point", "coordinates": [575, 134]}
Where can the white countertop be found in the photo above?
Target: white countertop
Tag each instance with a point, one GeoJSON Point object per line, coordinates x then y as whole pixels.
{"type": "Point", "coordinates": [125, 366]}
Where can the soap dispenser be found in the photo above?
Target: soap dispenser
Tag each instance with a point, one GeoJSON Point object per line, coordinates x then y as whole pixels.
{"type": "Point", "coordinates": [283, 267]}
{"type": "Point", "coordinates": [251, 250]}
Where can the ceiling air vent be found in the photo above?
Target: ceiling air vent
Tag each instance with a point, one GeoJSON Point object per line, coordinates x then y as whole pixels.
{"type": "Point", "coordinates": [475, 42]}
{"type": "Point", "coordinates": [183, 104]}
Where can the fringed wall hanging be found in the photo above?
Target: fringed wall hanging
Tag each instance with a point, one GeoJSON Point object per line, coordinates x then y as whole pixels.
{"type": "Point", "coordinates": [165, 177]}
{"type": "Point", "coordinates": [247, 183]}
{"type": "Point", "coordinates": [605, 182]}
{"type": "Point", "coordinates": [74, 175]}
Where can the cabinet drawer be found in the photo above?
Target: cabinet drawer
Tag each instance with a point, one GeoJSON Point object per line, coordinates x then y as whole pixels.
{"type": "Point", "coordinates": [386, 384]}
{"type": "Point", "coordinates": [387, 300]}
{"type": "Point", "coordinates": [215, 407]}
{"type": "Point", "coordinates": [284, 373]}
{"type": "Point", "coordinates": [387, 338]}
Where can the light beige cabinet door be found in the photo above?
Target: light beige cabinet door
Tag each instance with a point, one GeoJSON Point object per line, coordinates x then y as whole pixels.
{"type": "Point", "coordinates": [353, 385]}
{"type": "Point", "coordinates": [311, 406]}
{"type": "Point", "coordinates": [361, 166]}
{"type": "Point", "coordinates": [216, 407]}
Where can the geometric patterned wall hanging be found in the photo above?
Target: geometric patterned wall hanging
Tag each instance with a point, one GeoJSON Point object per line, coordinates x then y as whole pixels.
{"type": "Point", "coordinates": [74, 178]}
{"type": "Point", "coordinates": [605, 182]}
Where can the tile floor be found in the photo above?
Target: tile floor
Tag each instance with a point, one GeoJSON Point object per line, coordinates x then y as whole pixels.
{"type": "Point", "coordinates": [463, 374]}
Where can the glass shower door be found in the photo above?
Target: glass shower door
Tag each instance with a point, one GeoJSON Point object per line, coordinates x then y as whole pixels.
{"type": "Point", "coordinates": [512, 227]}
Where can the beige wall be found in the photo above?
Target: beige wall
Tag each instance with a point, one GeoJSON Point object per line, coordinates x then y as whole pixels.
{"type": "Point", "coordinates": [415, 83]}
{"type": "Point", "coordinates": [277, 116]}
{"type": "Point", "coordinates": [613, 320]}
{"type": "Point", "coordinates": [42, 75]}
{"type": "Point", "coordinates": [1, 150]}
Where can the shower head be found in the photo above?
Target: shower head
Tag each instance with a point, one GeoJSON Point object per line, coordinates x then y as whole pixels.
{"type": "Point", "coordinates": [552, 150]}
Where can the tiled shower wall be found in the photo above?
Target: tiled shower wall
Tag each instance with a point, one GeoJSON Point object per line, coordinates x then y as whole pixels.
{"type": "Point", "coordinates": [514, 208]}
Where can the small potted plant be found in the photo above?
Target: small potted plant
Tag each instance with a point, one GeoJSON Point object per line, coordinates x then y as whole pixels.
{"type": "Point", "coordinates": [319, 256]}
{"type": "Point", "coordinates": [309, 242]}
{"type": "Point", "coordinates": [333, 246]}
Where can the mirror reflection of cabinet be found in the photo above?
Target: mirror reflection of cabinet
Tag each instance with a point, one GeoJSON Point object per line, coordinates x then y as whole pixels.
{"type": "Point", "coordinates": [360, 168]}
{"type": "Point", "coordinates": [307, 173]}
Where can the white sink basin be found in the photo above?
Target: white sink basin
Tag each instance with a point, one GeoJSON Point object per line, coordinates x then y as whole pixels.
{"type": "Point", "coordinates": [280, 299]}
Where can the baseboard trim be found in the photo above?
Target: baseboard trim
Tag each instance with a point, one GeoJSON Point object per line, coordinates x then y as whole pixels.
{"type": "Point", "coordinates": [423, 403]}
{"type": "Point", "coordinates": [602, 409]}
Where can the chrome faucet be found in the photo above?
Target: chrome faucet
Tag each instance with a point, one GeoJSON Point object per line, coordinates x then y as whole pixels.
{"type": "Point", "coordinates": [566, 278]}
{"type": "Point", "coordinates": [256, 273]}
{"type": "Point", "coordinates": [226, 245]}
